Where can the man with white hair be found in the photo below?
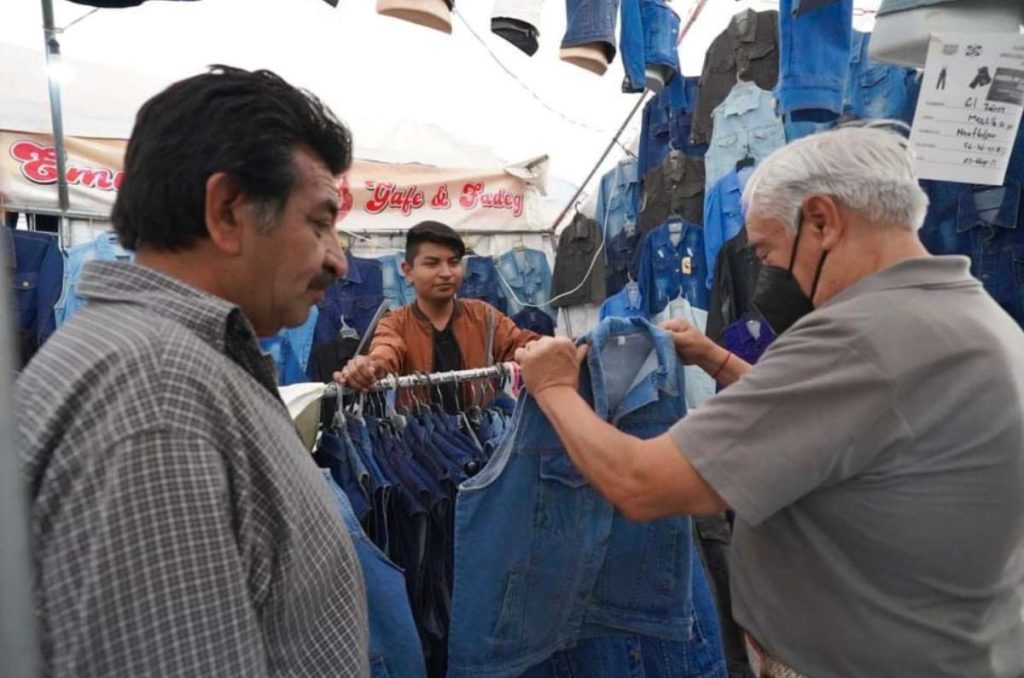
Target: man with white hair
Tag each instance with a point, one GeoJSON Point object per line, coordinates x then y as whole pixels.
{"type": "Point", "coordinates": [874, 457]}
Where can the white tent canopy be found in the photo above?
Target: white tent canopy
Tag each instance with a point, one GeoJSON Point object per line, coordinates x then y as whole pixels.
{"type": "Point", "coordinates": [410, 94]}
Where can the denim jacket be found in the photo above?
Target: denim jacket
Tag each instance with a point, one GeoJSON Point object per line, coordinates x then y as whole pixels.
{"type": "Point", "coordinates": [351, 302]}
{"type": "Point", "coordinates": [648, 37]}
{"type": "Point", "coordinates": [675, 188]}
{"type": "Point", "coordinates": [38, 266]}
{"type": "Point", "coordinates": [617, 200]}
{"type": "Point", "coordinates": [986, 224]}
{"type": "Point", "coordinates": [528, 275]}
{"type": "Point", "coordinates": [815, 38]}
{"type": "Point", "coordinates": [670, 270]}
{"type": "Point", "coordinates": [745, 126]}
{"type": "Point", "coordinates": [104, 247]}
{"type": "Point", "coordinates": [877, 90]}
{"type": "Point", "coordinates": [290, 348]}
{"type": "Point", "coordinates": [542, 560]}
{"type": "Point", "coordinates": [396, 290]}
{"type": "Point", "coordinates": [480, 281]}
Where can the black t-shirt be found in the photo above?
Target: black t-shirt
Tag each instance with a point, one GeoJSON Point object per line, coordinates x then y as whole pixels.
{"type": "Point", "coordinates": [447, 358]}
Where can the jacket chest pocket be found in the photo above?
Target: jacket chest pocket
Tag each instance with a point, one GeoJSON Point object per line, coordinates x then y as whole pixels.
{"type": "Point", "coordinates": [26, 290]}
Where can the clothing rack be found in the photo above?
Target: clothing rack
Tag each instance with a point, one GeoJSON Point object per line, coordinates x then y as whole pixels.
{"type": "Point", "coordinates": [393, 382]}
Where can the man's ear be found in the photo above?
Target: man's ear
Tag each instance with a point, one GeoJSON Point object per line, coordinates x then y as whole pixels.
{"type": "Point", "coordinates": [226, 213]}
{"type": "Point", "coordinates": [824, 217]}
{"type": "Point", "coordinates": [406, 268]}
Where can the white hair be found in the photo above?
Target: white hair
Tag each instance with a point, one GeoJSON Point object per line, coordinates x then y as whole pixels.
{"type": "Point", "coordinates": [868, 169]}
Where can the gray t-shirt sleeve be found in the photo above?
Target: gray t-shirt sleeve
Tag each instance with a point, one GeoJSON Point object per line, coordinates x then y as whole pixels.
{"type": "Point", "coordinates": [812, 412]}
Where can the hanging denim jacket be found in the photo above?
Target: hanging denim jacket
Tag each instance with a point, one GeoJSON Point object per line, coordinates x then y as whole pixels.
{"type": "Point", "coordinates": [617, 200]}
{"type": "Point", "coordinates": [877, 90]}
{"type": "Point", "coordinates": [745, 127]}
{"type": "Point", "coordinates": [480, 281]}
{"type": "Point", "coordinates": [815, 40]}
{"type": "Point", "coordinates": [723, 215]}
{"type": "Point", "coordinates": [38, 266]}
{"type": "Point", "coordinates": [396, 290]}
{"type": "Point", "coordinates": [672, 265]}
{"type": "Point", "coordinates": [542, 560]}
{"type": "Point", "coordinates": [394, 643]}
{"type": "Point", "coordinates": [648, 37]}
{"type": "Point", "coordinates": [104, 247]}
{"type": "Point", "coordinates": [528, 275]}
{"type": "Point", "coordinates": [351, 302]}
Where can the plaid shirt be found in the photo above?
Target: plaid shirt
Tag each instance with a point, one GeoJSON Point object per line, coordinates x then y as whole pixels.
{"type": "Point", "coordinates": [178, 526]}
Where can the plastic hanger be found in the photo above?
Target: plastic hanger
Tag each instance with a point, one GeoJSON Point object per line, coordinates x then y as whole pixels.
{"type": "Point", "coordinates": [347, 332]}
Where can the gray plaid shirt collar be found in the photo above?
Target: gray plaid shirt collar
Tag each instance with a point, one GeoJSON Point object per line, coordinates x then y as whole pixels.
{"type": "Point", "coordinates": [216, 321]}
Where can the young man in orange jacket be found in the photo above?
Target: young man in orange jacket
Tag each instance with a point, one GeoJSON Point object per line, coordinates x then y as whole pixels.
{"type": "Point", "coordinates": [438, 332]}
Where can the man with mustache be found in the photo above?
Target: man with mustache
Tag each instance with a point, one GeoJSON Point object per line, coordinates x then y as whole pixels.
{"type": "Point", "coordinates": [437, 332]}
{"type": "Point", "coordinates": [179, 527]}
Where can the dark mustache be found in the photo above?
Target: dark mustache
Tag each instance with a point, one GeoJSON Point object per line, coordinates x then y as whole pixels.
{"type": "Point", "coordinates": [323, 281]}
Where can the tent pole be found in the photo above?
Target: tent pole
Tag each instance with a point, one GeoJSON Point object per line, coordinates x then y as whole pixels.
{"type": "Point", "coordinates": [56, 112]}
{"type": "Point", "coordinates": [597, 166]}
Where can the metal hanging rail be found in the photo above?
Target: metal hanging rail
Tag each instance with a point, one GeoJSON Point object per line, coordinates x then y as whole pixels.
{"type": "Point", "coordinates": [393, 382]}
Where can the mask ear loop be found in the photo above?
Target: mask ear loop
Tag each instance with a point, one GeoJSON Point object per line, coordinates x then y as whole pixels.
{"type": "Point", "coordinates": [792, 261]}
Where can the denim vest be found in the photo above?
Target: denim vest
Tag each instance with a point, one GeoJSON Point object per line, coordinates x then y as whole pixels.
{"type": "Point", "coordinates": [542, 560]}
{"type": "Point", "coordinates": [394, 642]}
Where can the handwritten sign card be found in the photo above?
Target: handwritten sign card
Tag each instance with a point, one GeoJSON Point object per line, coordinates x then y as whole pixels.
{"type": "Point", "coordinates": [970, 108]}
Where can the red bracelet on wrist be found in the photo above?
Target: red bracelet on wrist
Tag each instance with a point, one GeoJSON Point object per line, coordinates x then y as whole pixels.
{"type": "Point", "coordinates": [728, 357]}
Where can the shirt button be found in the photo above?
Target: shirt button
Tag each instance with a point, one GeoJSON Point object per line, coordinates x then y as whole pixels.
{"type": "Point", "coordinates": [25, 284]}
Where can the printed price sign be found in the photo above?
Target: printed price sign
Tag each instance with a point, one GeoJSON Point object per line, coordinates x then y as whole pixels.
{"type": "Point", "coordinates": [970, 108]}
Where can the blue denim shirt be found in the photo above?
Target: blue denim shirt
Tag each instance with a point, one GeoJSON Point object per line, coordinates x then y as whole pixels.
{"type": "Point", "coordinates": [877, 90]}
{"type": "Point", "coordinates": [669, 270]}
{"type": "Point", "coordinates": [626, 303]}
{"type": "Point", "coordinates": [480, 281]}
{"type": "Point", "coordinates": [814, 36]}
{"type": "Point", "coordinates": [353, 300]}
{"type": "Point", "coordinates": [104, 247]}
{"type": "Point", "coordinates": [648, 37]}
{"type": "Point", "coordinates": [617, 200]}
{"type": "Point", "coordinates": [987, 225]}
{"type": "Point", "coordinates": [528, 275]}
{"type": "Point", "coordinates": [395, 648]}
{"type": "Point", "coordinates": [37, 282]}
{"type": "Point", "coordinates": [542, 560]}
{"type": "Point", "coordinates": [745, 126]}
{"type": "Point", "coordinates": [723, 215]}
{"type": "Point", "coordinates": [396, 290]}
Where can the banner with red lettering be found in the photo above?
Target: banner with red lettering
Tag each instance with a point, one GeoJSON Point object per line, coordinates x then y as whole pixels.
{"type": "Point", "coordinates": [375, 196]}
{"type": "Point", "coordinates": [28, 173]}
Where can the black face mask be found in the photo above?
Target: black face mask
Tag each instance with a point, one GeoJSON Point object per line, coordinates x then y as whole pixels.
{"type": "Point", "coordinates": [777, 295]}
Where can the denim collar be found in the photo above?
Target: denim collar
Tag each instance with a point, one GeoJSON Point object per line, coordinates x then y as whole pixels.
{"type": "Point", "coordinates": [662, 235]}
{"type": "Point", "coordinates": [745, 97]}
{"type": "Point", "coordinates": [579, 228]}
{"type": "Point", "coordinates": [354, 277]}
{"type": "Point", "coordinates": [1007, 216]}
{"type": "Point", "coordinates": [526, 267]}
{"type": "Point", "coordinates": [748, 35]}
{"type": "Point", "coordinates": [654, 376]}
